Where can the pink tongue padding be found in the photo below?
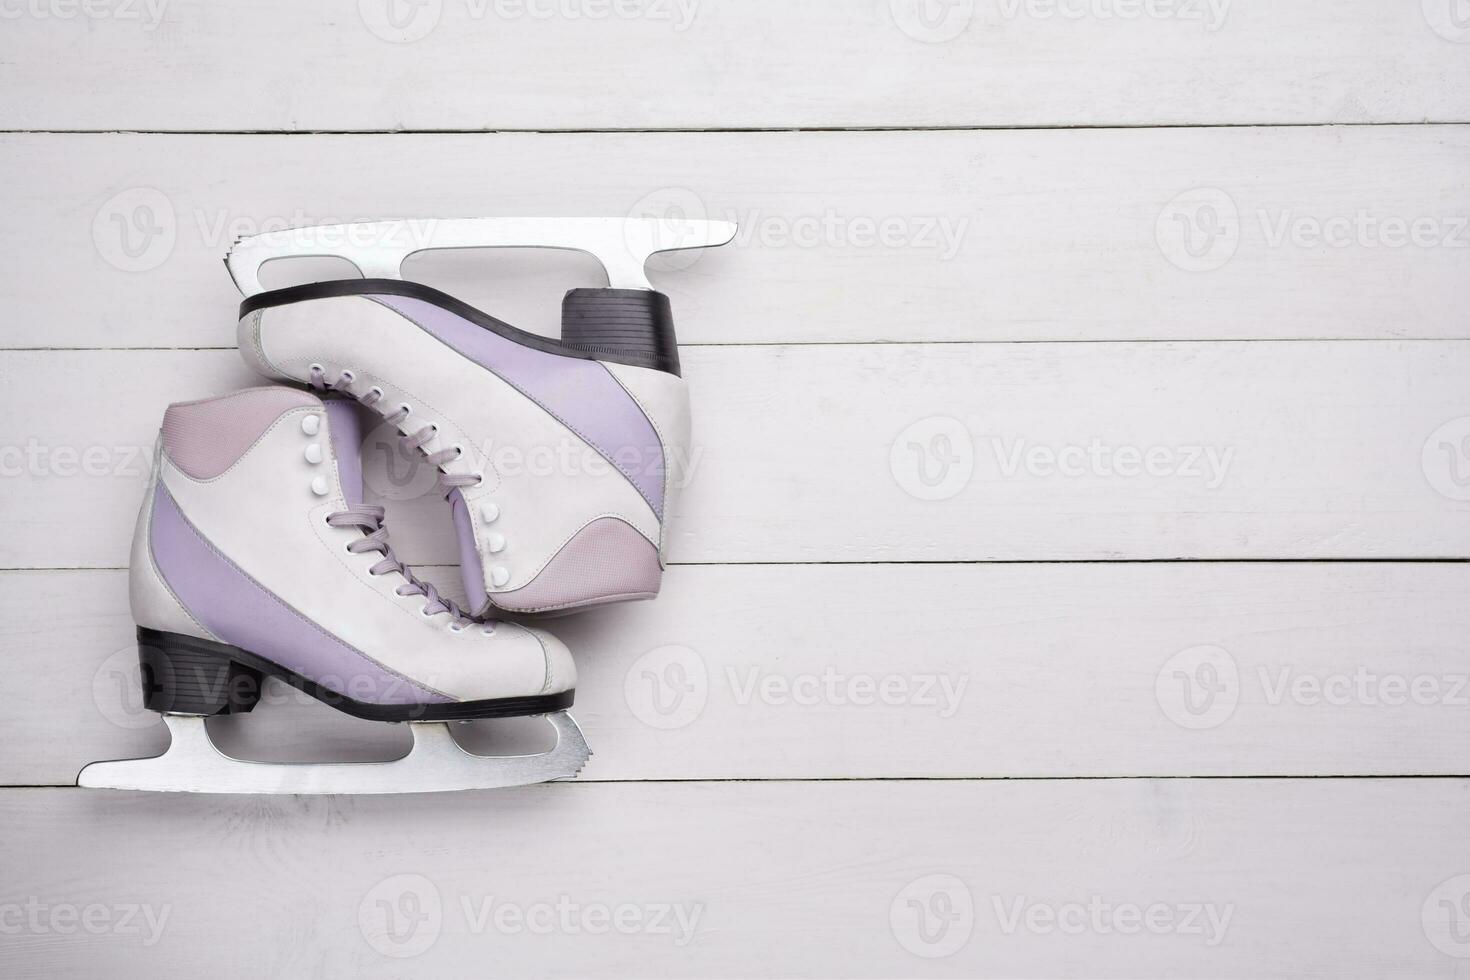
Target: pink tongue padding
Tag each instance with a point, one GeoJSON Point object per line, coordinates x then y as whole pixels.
{"type": "Point", "coordinates": [345, 425]}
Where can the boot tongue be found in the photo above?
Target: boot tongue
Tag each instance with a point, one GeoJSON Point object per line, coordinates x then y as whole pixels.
{"type": "Point", "coordinates": [345, 425]}
{"type": "Point", "coordinates": [471, 571]}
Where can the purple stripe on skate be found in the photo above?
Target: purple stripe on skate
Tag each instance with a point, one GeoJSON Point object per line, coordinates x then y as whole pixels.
{"type": "Point", "coordinates": [242, 612]}
{"type": "Point", "coordinates": [582, 394]}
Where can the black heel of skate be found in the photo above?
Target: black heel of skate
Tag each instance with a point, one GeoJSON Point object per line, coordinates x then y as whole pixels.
{"type": "Point", "coordinates": [186, 675]}
{"type": "Point", "coordinates": [634, 325]}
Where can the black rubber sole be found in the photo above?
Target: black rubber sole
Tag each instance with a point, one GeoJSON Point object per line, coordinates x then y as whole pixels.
{"type": "Point", "coordinates": [187, 675]}
{"type": "Point", "coordinates": [625, 326]}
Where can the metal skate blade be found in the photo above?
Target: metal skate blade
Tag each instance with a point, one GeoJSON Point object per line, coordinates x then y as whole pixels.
{"type": "Point", "coordinates": [379, 248]}
{"type": "Point", "coordinates": [436, 763]}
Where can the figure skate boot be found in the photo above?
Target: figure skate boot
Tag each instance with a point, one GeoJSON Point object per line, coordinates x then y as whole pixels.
{"type": "Point", "coordinates": [603, 409]}
{"type": "Point", "coordinates": [254, 555]}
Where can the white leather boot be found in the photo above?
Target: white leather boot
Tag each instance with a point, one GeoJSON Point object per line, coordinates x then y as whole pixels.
{"type": "Point", "coordinates": [561, 457]}
{"type": "Point", "coordinates": [254, 555]}
{"type": "Point", "coordinates": [254, 544]}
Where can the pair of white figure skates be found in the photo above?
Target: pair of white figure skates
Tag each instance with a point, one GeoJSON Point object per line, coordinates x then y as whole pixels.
{"type": "Point", "coordinates": [256, 554]}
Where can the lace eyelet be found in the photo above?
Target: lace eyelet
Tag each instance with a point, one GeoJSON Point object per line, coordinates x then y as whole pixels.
{"type": "Point", "coordinates": [456, 628]}
{"type": "Point", "coordinates": [375, 390]}
{"type": "Point", "coordinates": [480, 477]}
{"type": "Point", "coordinates": [424, 612]}
{"type": "Point", "coordinates": [348, 375]}
{"type": "Point", "coordinates": [405, 408]}
{"type": "Point", "coordinates": [316, 369]}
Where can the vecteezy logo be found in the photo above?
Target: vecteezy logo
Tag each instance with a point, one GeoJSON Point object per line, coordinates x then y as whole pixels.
{"type": "Point", "coordinates": [392, 470]}
{"type": "Point", "coordinates": [117, 690]}
{"type": "Point", "coordinates": [933, 459]}
{"type": "Point", "coordinates": [135, 230]}
{"type": "Point", "coordinates": [933, 916]}
{"type": "Point", "coordinates": [400, 21]}
{"type": "Point", "coordinates": [932, 21]}
{"type": "Point", "coordinates": [667, 687]}
{"type": "Point", "coordinates": [671, 207]}
{"type": "Point", "coordinates": [1450, 19]}
{"type": "Point", "coordinates": [401, 916]}
{"type": "Point", "coordinates": [1445, 917]}
{"type": "Point", "coordinates": [1446, 459]}
{"type": "Point", "coordinates": [1199, 230]}
{"type": "Point", "coordinates": [1198, 688]}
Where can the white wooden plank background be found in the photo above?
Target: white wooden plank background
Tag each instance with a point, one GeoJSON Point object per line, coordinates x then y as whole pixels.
{"type": "Point", "coordinates": [808, 454]}
{"type": "Point", "coordinates": [1013, 235]}
{"type": "Point", "coordinates": [1173, 255]}
{"type": "Point", "coordinates": [506, 64]}
{"type": "Point", "coordinates": [810, 672]}
{"type": "Point", "coordinates": [1308, 878]}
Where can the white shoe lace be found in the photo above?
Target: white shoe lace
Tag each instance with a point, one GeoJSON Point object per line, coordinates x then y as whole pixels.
{"type": "Point", "coordinates": [413, 440]}
{"type": "Point", "coordinates": [375, 538]}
